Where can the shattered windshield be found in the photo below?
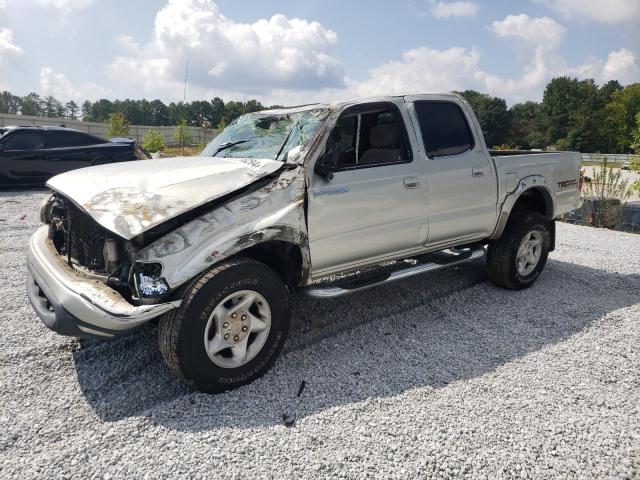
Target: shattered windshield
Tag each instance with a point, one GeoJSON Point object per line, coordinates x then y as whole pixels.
{"type": "Point", "coordinates": [265, 135]}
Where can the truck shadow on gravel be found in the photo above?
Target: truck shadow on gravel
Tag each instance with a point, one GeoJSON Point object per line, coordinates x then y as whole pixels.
{"type": "Point", "coordinates": [427, 332]}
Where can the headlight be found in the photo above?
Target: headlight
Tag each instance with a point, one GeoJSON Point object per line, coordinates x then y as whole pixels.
{"type": "Point", "coordinates": [148, 282]}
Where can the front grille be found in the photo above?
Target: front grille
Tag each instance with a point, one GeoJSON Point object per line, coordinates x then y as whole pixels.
{"type": "Point", "coordinates": [84, 240]}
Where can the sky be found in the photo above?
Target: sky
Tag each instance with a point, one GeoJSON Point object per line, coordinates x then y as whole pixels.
{"type": "Point", "coordinates": [291, 51]}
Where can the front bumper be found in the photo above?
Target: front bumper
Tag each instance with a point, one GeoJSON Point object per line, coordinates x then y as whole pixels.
{"type": "Point", "coordinates": [72, 304]}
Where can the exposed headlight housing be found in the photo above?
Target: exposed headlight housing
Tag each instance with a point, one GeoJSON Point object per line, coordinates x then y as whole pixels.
{"type": "Point", "coordinates": [149, 284]}
{"type": "Point", "coordinates": [44, 212]}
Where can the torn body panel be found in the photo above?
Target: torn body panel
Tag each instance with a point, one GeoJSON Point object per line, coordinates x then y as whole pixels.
{"type": "Point", "coordinates": [272, 212]}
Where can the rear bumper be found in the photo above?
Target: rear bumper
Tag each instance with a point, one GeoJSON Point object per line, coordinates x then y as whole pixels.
{"type": "Point", "coordinates": [74, 305]}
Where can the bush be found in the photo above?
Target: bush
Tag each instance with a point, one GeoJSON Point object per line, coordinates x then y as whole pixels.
{"type": "Point", "coordinates": [118, 125]}
{"type": "Point", "coordinates": [153, 141]}
{"type": "Point", "coordinates": [608, 194]}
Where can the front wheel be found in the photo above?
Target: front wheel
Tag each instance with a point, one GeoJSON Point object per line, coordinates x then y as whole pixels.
{"type": "Point", "coordinates": [516, 259]}
{"type": "Point", "coordinates": [230, 327]}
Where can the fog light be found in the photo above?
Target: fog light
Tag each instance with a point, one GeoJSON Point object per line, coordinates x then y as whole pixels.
{"type": "Point", "coordinates": [148, 282]}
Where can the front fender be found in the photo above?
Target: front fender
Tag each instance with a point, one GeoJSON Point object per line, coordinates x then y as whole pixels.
{"type": "Point", "coordinates": [273, 212]}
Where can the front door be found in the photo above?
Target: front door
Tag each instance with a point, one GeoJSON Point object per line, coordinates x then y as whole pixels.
{"type": "Point", "coordinates": [375, 205]}
{"type": "Point", "coordinates": [22, 159]}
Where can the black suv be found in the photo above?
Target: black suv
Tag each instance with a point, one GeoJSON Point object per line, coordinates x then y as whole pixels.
{"type": "Point", "coordinates": [29, 156]}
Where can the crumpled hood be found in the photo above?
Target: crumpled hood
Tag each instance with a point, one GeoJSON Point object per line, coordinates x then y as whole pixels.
{"type": "Point", "coordinates": [130, 198]}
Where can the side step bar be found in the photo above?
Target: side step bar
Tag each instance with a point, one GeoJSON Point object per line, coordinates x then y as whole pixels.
{"type": "Point", "coordinates": [335, 291]}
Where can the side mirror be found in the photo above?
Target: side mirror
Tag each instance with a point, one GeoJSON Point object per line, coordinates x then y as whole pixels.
{"type": "Point", "coordinates": [327, 164]}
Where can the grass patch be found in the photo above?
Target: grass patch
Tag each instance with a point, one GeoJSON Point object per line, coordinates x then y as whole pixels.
{"type": "Point", "coordinates": [176, 151]}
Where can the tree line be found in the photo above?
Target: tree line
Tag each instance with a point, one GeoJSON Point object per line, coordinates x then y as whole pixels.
{"type": "Point", "coordinates": [214, 113]}
{"type": "Point", "coordinates": [573, 115]}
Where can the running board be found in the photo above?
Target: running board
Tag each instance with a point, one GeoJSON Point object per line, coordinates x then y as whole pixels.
{"type": "Point", "coordinates": [335, 291]}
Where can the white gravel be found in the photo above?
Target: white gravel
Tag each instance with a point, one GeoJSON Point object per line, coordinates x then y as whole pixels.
{"type": "Point", "coordinates": [440, 377]}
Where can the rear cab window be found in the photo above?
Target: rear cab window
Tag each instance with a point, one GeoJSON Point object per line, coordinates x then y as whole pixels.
{"type": "Point", "coordinates": [445, 129]}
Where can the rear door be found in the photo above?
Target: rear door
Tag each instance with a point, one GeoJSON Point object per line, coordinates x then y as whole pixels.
{"type": "Point", "coordinates": [69, 150]}
{"type": "Point", "coordinates": [462, 180]}
{"type": "Point", "coordinates": [22, 159]}
{"type": "Point", "coordinates": [375, 205]}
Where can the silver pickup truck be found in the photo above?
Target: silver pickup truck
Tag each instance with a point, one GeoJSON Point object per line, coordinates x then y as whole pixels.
{"type": "Point", "coordinates": [323, 199]}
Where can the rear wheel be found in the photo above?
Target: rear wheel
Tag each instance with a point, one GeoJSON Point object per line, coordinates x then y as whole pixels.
{"type": "Point", "coordinates": [517, 258]}
{"type": "Point", "coordinates": [230, 328]}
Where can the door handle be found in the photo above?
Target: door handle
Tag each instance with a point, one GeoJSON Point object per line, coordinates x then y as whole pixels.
{"type": "Point", "coordinates": [477, 172]}
{"type": "Point", "coordinates": [411, 182]}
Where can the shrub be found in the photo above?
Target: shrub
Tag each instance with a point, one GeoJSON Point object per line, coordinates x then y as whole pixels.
{"type": "Point", "coordinates": [153, 141]}
{"type": "Point", "coordinates": [118, 125]}
{"type": "Point", "coordinates": [608, 194]}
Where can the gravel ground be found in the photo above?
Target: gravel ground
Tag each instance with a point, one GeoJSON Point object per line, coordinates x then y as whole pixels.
{"type": "Point", "coordinates": [439, 377]}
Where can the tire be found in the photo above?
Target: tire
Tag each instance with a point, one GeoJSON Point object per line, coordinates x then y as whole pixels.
{"type": "Point", "coordinates": [502, 257]}
{"type": "Point", "coordinates": [189, 335]}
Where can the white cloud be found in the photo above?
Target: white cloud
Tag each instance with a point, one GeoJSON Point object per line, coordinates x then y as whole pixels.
{"type": "Point", "coordinates": [429, 70]}
{"type": "Point", "coordinates": [58, 85]}
{"type": "Point", "coordinates": [605, 11]}
{"type": "Point", "coordinates": [543, 32]}
{"type": "Point", "coordinates": [279, 52]}
{"type": "Point", "coordinates": [8, 49]}
{"type": "Point", "coordinates": [421, 70]}
{"type": "Point", "coordinates": [454, 9]}
{"type": "Point", "coordinates": [621, 65]}
{"type": "Point", "coordinates": [66, 6]}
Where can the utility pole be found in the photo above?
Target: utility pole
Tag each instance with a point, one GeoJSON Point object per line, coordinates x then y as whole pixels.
{"type": "Point", "coordinates": [184, 101]}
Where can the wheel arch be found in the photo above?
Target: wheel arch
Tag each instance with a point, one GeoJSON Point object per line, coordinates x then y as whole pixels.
{"type": "Point", "coordinates": [288, 259]}
{"type": "Point", "coordinates": [533, 193]}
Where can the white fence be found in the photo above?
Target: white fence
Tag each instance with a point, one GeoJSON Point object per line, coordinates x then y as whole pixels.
{"type": "Point", "coordinates": [611, 157]}
{"type": "Point", "coordinates": [135, 131]}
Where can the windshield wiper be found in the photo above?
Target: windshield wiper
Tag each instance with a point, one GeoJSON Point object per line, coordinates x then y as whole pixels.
{"type": "Point", "coordinates": [228, 145]}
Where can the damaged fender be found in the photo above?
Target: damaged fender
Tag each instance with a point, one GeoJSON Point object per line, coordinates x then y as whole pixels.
{"type": "Point", "coordinates": [272, 212]}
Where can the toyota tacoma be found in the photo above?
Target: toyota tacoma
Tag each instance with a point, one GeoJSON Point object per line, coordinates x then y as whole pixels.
{"type": "Point", "coordinates": [325, 200]}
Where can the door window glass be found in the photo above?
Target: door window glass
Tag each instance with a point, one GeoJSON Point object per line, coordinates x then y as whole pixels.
{"type": "Point", "coordinates": [445, 130]}
{"type": "Point", "coordinates": [25, 140]}
{"type": "Point", "coordinates": [62, 139]}
{"type": "Point", "coordinates": [369, 137]}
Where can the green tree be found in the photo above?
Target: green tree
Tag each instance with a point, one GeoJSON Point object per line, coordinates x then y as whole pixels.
{"type": "Point", "coordinates": [621, 114]}
{"type": "Point", "coordinates": [102, 110]}
{"type": "Point", "coordinates": [636, 136]}
{"type": "Point", "coordinates": [87, 112]}
{"type": "Point", "coordinates": [527, 129]}
{"type": "Point", "coordinates": [32, 104]}
{"type": "Point", "coordinates": [221, 126]}
{"type": "Point", "coordinates": [570, 112]}
{"type": "Point", "coordinates": [493, 116]}
{"type": "Point", "coordinates": [118, 125]}
{"type": "Point", "coordinates": [217, 111]}
{"type": "Point", "coordinates": [53, 108]}
{"type": "Point", "coordinates": [9, 103]}
{"type": "Point", "coordinates": [71, 110]}
{"type": "Point", "coordinates": [635, 162]}
{"type": "Point", "coordinates": [183, 135]}
{"type": "Point", "coordinates": [159, 113]}
{"type": "Point", "coordinates": [153, 141]}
